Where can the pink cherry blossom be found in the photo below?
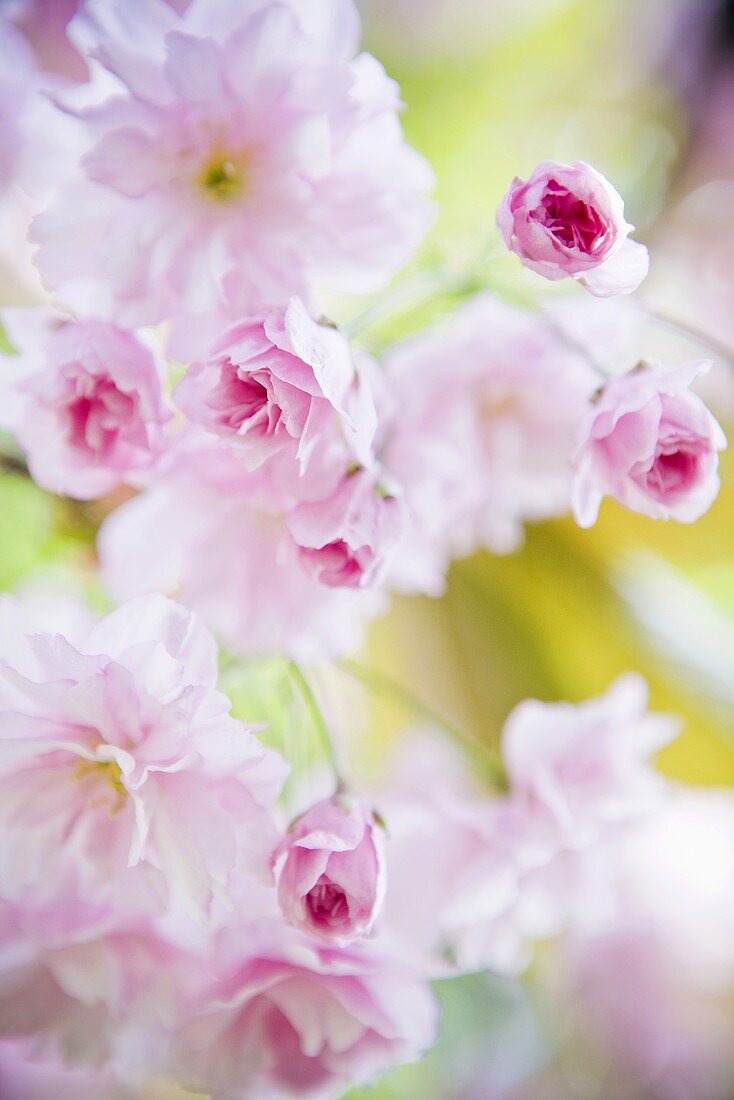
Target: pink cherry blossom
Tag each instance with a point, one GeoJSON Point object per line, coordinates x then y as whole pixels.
{"type": "Point", "coordinates": [88, 404]}
{"type": "Point", "coordinates": [347, 539]}
{"type": "Point", "coordinates": [330, 870]}
{"type": "Point", "coordinates": [452, 883]}
{"type": "Point", "coordinates": [650, 443]}
{"type": "Point", "coordinates": [24, 1077]}
{"type": "Point", "coordinates": [286, 1016]}
{"type": "Point", "coordinates": [567, 220]}
{"type": "Point", "coordinates": [218, 536]}
{"type": "Point", "coordinates": [475, 880]}
{"type": "Point", "coordinates": [281, 383]}
{"type": "Point", "coordinates": [124, 780]}
{"type": "Point", "coordinates": [17, 84]}
{"type": "Point", "coordinates": [44, 23]}
{"type": "Point", "coordinates": [485, 415]}
{"type": "Point", "coordinates": [578, 770]}
{"type": "Point", "coordinates": [39, 148]}
{"type": "Point", "coordinates": [655, 983]}
{"type": "Point", "coordinates": [91, 1001]}
{"type": "Point", "coordinates": [233, 159]}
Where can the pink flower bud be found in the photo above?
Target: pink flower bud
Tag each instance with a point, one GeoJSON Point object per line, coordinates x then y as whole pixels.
{"type": "Point", "coordinates": [346, 540]}
{"type": "Point", "coordinates": [652, 444]}
{"type": "Point", "coordinates": [330, 869]}
{"type": "Point", "coordinates": [568, 220]}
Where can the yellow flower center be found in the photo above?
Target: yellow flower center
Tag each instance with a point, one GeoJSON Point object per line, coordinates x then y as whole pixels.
{"type": "Point", "coordinates": [224, 176]}
{"type": "Point", "coordinates": [104, 780]}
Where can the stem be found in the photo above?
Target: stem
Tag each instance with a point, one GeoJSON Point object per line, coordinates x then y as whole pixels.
{"type": "Point", "coordinates": [421, 288]}
{"type": "Point", "coordinates": [574, 345]}
{"type": "Point", "coordinates": [380, 681]}
{"type": "Point", "coordinates": [317, 718]}
{"type": "Point", "coordinates": [12, 465]}
{"type": "Point", "coordinates": [690, 332]}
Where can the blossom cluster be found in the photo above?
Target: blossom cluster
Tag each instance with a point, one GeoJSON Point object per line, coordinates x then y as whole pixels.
{"type": "Point", "coordinates": [160, 914]}
{"type": "Point", "coordinates": [288, 483]}
{"type": "Point", "coordinates": [200, 181]}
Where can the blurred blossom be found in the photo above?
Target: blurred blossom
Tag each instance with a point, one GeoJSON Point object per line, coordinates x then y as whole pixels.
{"type": "Point", "coordinates": [656, 987]}
{"type": "Point", "coordinates": [44, 23]}
{"type": "Point", "coordinates": [487, 407]}
{"type": "Point", "coordinates": [514, 868]}
{"type": "Point", "coordinates": [231, 161]}
{"type": "Point", "coordinates": [292, 1017]}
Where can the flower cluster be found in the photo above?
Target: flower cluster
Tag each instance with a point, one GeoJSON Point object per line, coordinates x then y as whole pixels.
{"type": "Point", "coordinates": [201, 180]}
{"type": "Point", "coordinates": [158, 914]}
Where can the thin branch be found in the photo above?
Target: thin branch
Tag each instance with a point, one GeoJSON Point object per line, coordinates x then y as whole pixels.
{"type": "Point", "coordinates": [317, 717]}
{"type": "Point", "coordinates": [690, 332]}
{"type": "Point", "coordinates": [13, 464]}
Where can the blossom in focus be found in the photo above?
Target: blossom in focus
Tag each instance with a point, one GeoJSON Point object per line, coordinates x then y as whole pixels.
{"type": "Point", "coordinates": [282, 383]}
{"type": "Point", "coordinates": [124, 780]}
{"type": "Point", "coordinates": [650, 443]}
{"type": "Point", "coordinates": [233, 159]}
{"type": "Point", "coordinates": [289, 1017]}
{"type": "Point", "coordinates": [482, 426]}
{"type": "Point", "coordinates": [568, 220]}
{"type": "Point", "coordinates": [346, 541]}
{"type": "Point", "coordinates": [88, 403]}
{"type": "Point", "coordinates": [218, 536]}
{"type": "Point", "coordinates": [330, 870]}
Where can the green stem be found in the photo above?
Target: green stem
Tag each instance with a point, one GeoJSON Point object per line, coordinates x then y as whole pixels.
{"type": "Point", "coordinates": [484, 754]}
{"type": "Point", "coordinates": [574, 345]}
{"type": "Point", "coordinates": [317, 718]}
{"type": "Point", "coordinates": [11, 464]}
{"type": "Point", "coordinates": [421, 288]}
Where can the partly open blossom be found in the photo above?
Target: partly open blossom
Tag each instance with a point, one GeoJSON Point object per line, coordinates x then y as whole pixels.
{"type": "Point", "coordinates": [346, 540]}
{"type": "Point", "coordinates": [283, 383]}
{"type": "Point", "coordinates": [650, 443]}
{"type": "Point", "coordinates": [567, 220]}
{"type": "Point", "coordinates": [217, 536]}
{"type": "Point", "coordinates": [330, 869]}
{"type": "Point", "coordinates": [234, 158]}
{"type": "Point", "coordinates": [285, 1016]}
{"type": "Point", "coordinates": [124, 779]}
{"type": "Point", "coordinates": [87, 401]}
